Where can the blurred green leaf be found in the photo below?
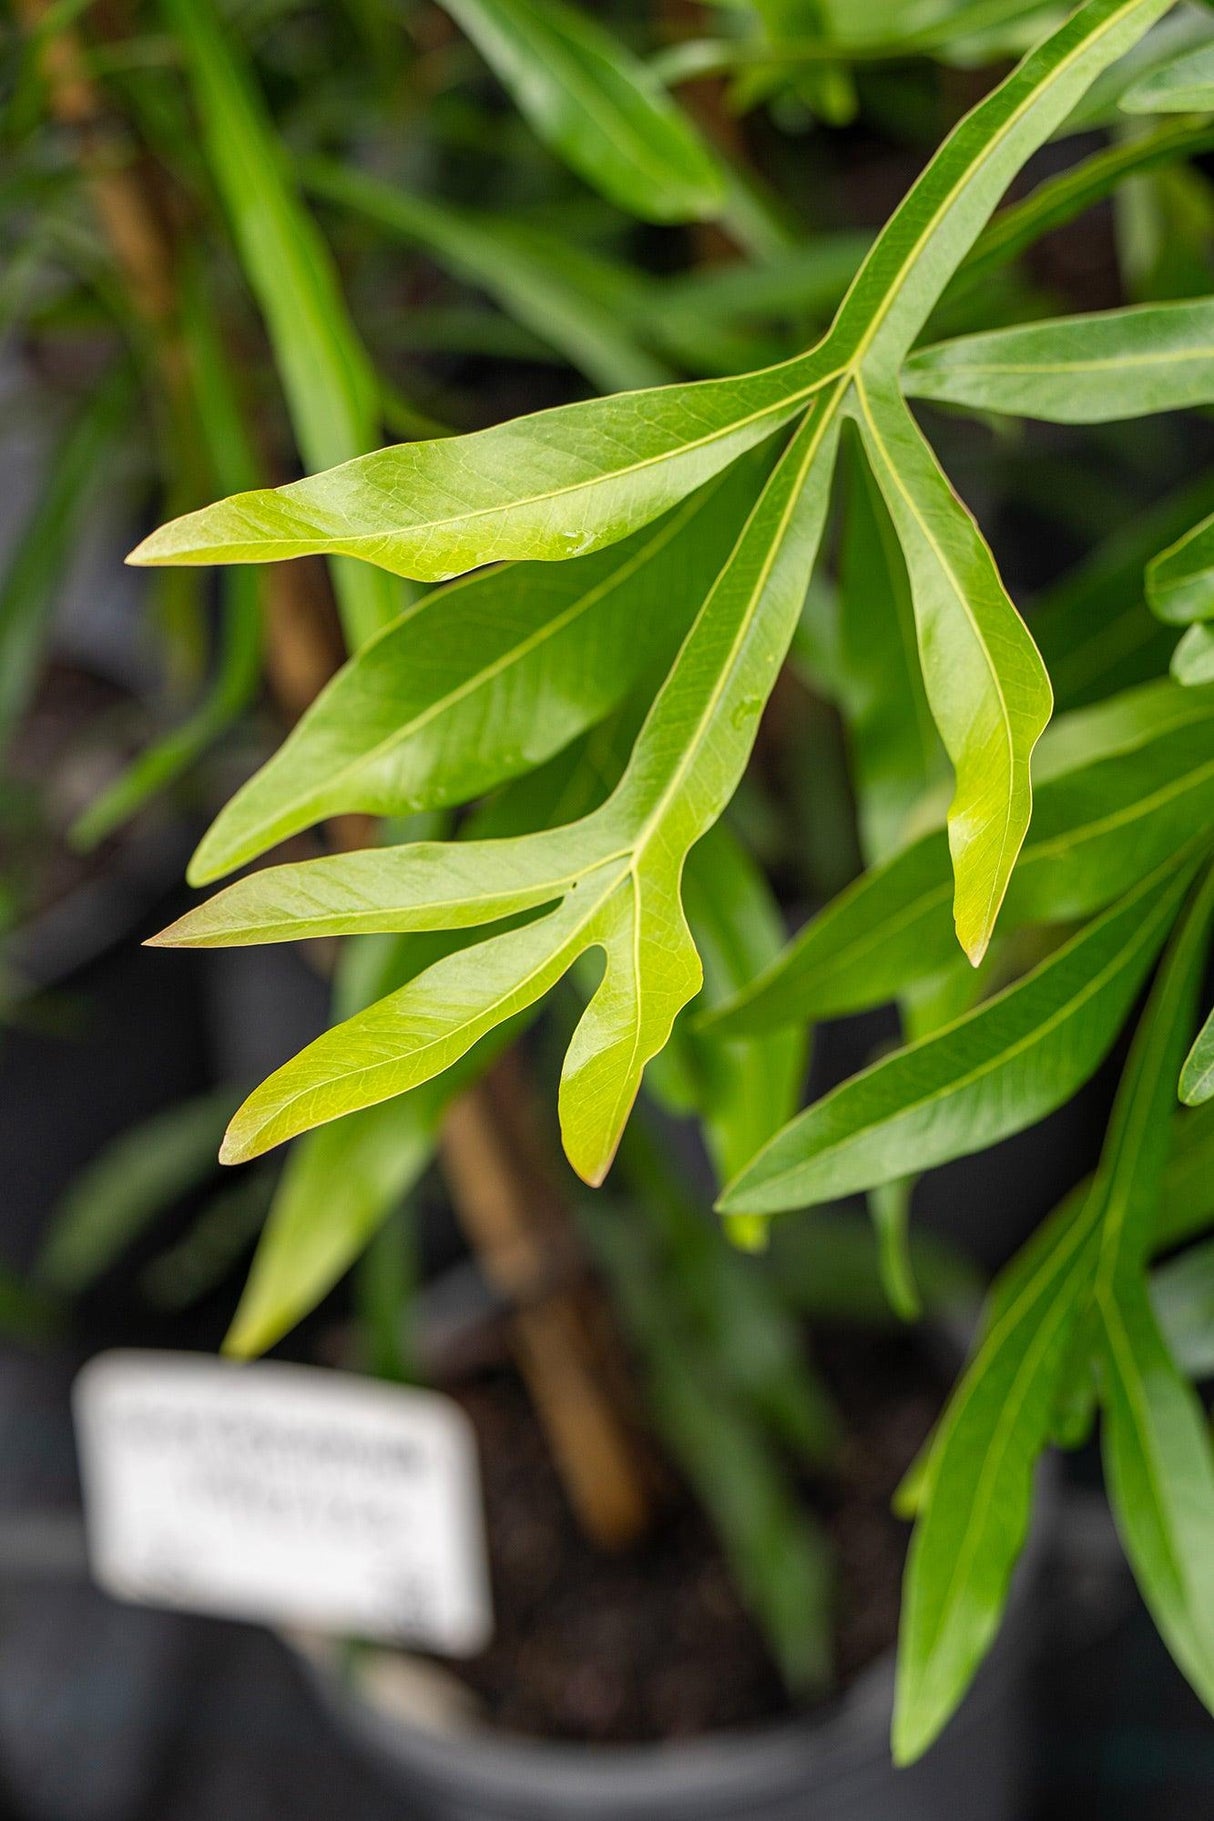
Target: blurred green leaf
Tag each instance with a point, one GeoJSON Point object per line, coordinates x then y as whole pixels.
{"type": "Point", "coordinates": [330, 385]}
{"type": "Point", "coordinates": [598, 107]}
{"type": "Point", "coordinates": [1078, 369]}
{"type": "Point", "coordinates": [137, 1177]}
{"type": "Point", "coordinates": [1183, 86]}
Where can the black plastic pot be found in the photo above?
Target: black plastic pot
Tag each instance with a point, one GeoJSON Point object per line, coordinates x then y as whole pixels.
{"type": "Point", "coordinates": [831, 1765]}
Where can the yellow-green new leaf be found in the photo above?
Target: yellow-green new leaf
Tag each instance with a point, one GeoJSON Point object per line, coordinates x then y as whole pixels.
{"type": "Point", "coordinates": [547, 487]}
{"type": "Point", "coordinates": [985, 680]}
{"type": "Point", "coordinates": [484, 679]}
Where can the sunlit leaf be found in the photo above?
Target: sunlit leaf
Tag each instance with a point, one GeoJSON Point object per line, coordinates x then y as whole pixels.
{"type": "Point", "coordinates": [483, 679]}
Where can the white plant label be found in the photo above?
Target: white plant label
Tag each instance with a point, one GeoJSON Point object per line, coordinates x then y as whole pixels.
{"type": "Point", "coordinates": [285, 1494]}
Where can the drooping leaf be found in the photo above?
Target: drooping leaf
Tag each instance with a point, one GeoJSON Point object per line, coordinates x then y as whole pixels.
{"type": "Point", "coordinates": [1184, 86]}
{"type": "Point", "coordinates": [896, 752]}
{"type": "Point", "coordinates": [975, 1491]}
{"type": "Point", "coordinates": [994, 1071]}
{"type": "Point", "coordinates": [616, 874]}
{"type": "Point", "coordinates": [976, 1484]}
{"type": "Point", "coordinates": [1078, 369]}
{"type": "Point", "coordinates": [1160, 1475]}
{"type": "Point", "coordinates": [601, 109]}
{"type": "Point", "coordinates": [1180, 580]}
{"type": "Point", "coordinates": [1159, 1463]}
{"type": "Point", "coordinates": [483, 679]}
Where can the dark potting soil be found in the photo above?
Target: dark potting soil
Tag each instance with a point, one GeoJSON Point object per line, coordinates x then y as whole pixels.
{"type": "Point", "coordinates": [655, 1643]}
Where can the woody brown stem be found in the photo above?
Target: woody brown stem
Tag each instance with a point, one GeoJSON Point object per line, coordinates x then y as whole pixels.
{"type": "Point", "coordinates": [521, 1228]}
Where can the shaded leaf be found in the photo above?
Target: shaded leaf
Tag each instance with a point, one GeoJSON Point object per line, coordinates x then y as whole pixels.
{"type": "Point", "coordinates": [1197, 1076]}
{"type": "Point", "coordinates": [1180, 580]}
{"type": "Point", "coordinates": [331, 388]}
{"type": "Point", "coordinates": [138, 1176]}
{"type": "Point", "coordinates": [481, 250]}
{"type": "Point", "coordinates": [1182, 1297]}
{"type": "Point", "coordinates": [994, 1071]}
{"type": "Point", "coordinates": [601, 109]}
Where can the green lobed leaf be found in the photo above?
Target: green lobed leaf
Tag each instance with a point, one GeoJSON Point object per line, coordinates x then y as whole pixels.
{"type": "Point", "coordinates": [617, 875]}
{"type": "Point", "coordinates": [600, 108]}
{"type": "Point", "coordinates": [1183, 86]}
{"type": "Point", "coordinates": [992, 1072]}
{"type": "Point", "coordinates": [483, 679]}
{"type": "Point", "coordinates": [561, 483]}
{"type": "Point", "coordinates": [1180, 580]}
{"type": "Point", "coordinates": [1078, 369]}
